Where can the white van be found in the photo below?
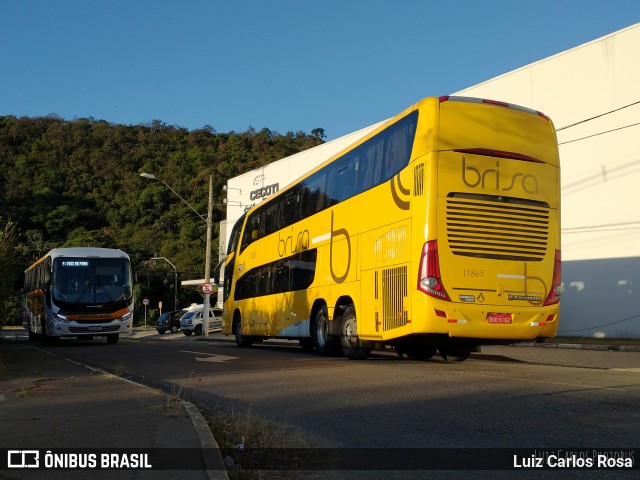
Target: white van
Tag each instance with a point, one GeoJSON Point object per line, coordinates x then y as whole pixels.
{"type": "Point", "coordinates": [191, 322]}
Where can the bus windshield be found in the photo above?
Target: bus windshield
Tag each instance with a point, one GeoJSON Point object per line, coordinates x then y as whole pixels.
{"type": "Point", "coordinates": [91, 281]}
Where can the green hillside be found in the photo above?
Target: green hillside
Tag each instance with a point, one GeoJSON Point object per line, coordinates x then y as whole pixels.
{"type": "Point", "coordinates": [77, 183]}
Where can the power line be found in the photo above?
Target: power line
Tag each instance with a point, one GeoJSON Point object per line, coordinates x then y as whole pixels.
{"type": "Point", "coordinates": [601, 133]}
{"type": "Point", "coordinates": [597, 116]}
{"type": "Point", "coordinates": [626, 224]}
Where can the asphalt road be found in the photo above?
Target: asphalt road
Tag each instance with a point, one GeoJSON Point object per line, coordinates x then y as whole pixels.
{"type": "Point", "coordinates": [505, 397]}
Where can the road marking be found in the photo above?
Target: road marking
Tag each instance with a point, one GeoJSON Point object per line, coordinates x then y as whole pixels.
{"type": "Point", "coordinates": [637, 370]}
{"type": "Point", "coordinates": [211, 358]}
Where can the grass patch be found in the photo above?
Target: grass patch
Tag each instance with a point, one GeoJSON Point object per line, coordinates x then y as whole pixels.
{"type": "Point", "coordinates": [119, 369]}
{"type": "Point", "coordinates": [237, 433]}
{"type": "Point", "coordinates": [177, 395]}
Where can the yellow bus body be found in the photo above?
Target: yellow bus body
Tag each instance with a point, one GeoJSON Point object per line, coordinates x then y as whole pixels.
{"type": "Point", "coordinates": [481, 185]}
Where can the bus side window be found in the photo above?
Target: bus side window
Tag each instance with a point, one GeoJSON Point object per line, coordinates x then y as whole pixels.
{"type": "Point", "coordinates": [314, 199]}
{"type": "Point", "coordinates": [342, 179]}
{"type": "Point", "coordinates": [290, 207]}
{"type": "Point", "coordinates": [371, 174]}
{"type": "Point", "coordinates": [268, 221]}
{"type": "Point", "coordinates": [251, 230]}
{"type": "Point", "coordinates": [399, 143]}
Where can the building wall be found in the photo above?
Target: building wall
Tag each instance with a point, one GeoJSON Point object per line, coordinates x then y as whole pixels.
{"type": "Point", "coordinates": [600, 160]}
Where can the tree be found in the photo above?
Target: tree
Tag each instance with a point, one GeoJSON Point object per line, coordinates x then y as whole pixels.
{"type": "Point", "coordinates": [9, 301]}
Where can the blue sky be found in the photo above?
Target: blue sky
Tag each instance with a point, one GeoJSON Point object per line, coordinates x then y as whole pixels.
{"type": "Point", "coordinates": [287, 65]}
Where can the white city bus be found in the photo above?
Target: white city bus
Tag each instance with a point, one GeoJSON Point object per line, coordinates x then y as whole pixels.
{"type": "Point", "coordinates": [79, 292]}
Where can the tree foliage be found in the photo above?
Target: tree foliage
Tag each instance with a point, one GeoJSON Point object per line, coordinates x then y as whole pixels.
{"type": "Point", "coordinates": [77, 183]}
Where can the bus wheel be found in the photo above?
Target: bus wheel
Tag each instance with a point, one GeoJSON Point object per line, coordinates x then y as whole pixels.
{"type": "Point", "coordinates": [241, 339]}
{"type": "Point", "coordinates": [352, 346]}
{"type": "Point", "coordinates": [113, 338]}
{"type": "Point", "coordinates": [454, 353]}
{"type": "Point", "coordinates": [325, 344]}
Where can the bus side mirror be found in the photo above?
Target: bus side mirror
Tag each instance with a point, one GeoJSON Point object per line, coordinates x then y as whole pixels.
{"type": "Point", "coordinates": [254, 234]}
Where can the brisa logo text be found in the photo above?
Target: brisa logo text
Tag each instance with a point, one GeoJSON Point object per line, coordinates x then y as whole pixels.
{"type": "Point", "coordinates": [492, 178]}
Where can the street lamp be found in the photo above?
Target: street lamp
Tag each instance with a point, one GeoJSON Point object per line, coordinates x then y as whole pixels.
{"type": "Point", "coordinates": [207, 263]}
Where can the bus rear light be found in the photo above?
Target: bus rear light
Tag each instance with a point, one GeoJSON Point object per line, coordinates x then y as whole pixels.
{"type": "Point", "coordinates": [495, 102]}
{"type": "Point", "coordinates": [440, 313]}
{"type": "Point", "coordinates": [544, 116]}
{"type": "Point", "coordinates": [556, 284]}
{"type": "Point", "coordinates": [429, 280]}
{"type": "Point", "coordinates": [498, 153]}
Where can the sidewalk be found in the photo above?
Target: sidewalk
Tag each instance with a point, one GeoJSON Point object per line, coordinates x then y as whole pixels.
{"type": "Point", "coordinates": [48, 402]}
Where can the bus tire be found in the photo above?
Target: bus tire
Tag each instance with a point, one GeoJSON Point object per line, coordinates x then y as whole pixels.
{"type": "Point", "coordinates": [454, 353]}
{"type": "Point", "coordinates": [325, 344]}
{"type": "Point", "coordinates": [113, 338]}
{"type": "Point", "coordinates": [241, 339]}
{"type": "Point", "coordinates": [352, 347]}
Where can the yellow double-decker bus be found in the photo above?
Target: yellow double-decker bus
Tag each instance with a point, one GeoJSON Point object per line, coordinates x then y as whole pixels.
{"type": "Point", "coordinates": [438, 231]}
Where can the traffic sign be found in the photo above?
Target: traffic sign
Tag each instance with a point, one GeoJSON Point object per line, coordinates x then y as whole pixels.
{"type": "Point", "coordinates": [207, 288]}
{"type": "Point", "coordinates": [145, 302]}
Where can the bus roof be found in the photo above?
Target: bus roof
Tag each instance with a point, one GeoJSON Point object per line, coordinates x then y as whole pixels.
{"type": "Point", "coordinates": [87, 252]}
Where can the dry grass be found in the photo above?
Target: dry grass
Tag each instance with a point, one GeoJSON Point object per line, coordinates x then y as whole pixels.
{"type": "Point", "coordinates": [240, 432]}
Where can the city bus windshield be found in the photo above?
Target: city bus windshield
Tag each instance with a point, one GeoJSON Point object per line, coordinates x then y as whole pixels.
{"type": "Point", "coordinates": [91, 281]}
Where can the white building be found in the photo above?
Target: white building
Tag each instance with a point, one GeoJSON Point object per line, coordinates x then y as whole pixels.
{"type": "Point", "coordinates": [592, 93]}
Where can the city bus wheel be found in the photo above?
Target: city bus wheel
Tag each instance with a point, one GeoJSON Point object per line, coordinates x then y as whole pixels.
{"type": "Point", "coordinates": [113, 338]}
{"type": "Point", "coordinates": [325, 344]}
{"type": "Point", "coordinates": [454, 353]}
{"type": "Point", "coordinates": [352, 347]}
{"type": "Point", "coordinates": [241, 339]}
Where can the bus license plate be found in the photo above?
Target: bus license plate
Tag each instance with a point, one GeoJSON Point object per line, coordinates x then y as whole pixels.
{"type": "Point", "coordinates": [502, 318]}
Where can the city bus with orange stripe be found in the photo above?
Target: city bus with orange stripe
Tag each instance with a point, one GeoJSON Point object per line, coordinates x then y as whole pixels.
{"type": "Point", "coordinates": [439, 231]}
{"type": "Point", "coordinates": [79, 292]}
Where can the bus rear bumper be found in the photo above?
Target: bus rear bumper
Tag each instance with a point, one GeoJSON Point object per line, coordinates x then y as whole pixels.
{"type": "Point", "coordinates": [492, 323]}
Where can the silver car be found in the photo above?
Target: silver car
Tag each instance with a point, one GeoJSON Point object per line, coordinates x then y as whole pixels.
{"type": "Point", "coordinates": [191, 322]}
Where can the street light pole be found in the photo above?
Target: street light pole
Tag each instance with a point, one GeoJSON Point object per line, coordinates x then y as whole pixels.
{"type": "Point", "coordinates": [207, 262]}
{"type": "Point", "coordinates": [207, 265]}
